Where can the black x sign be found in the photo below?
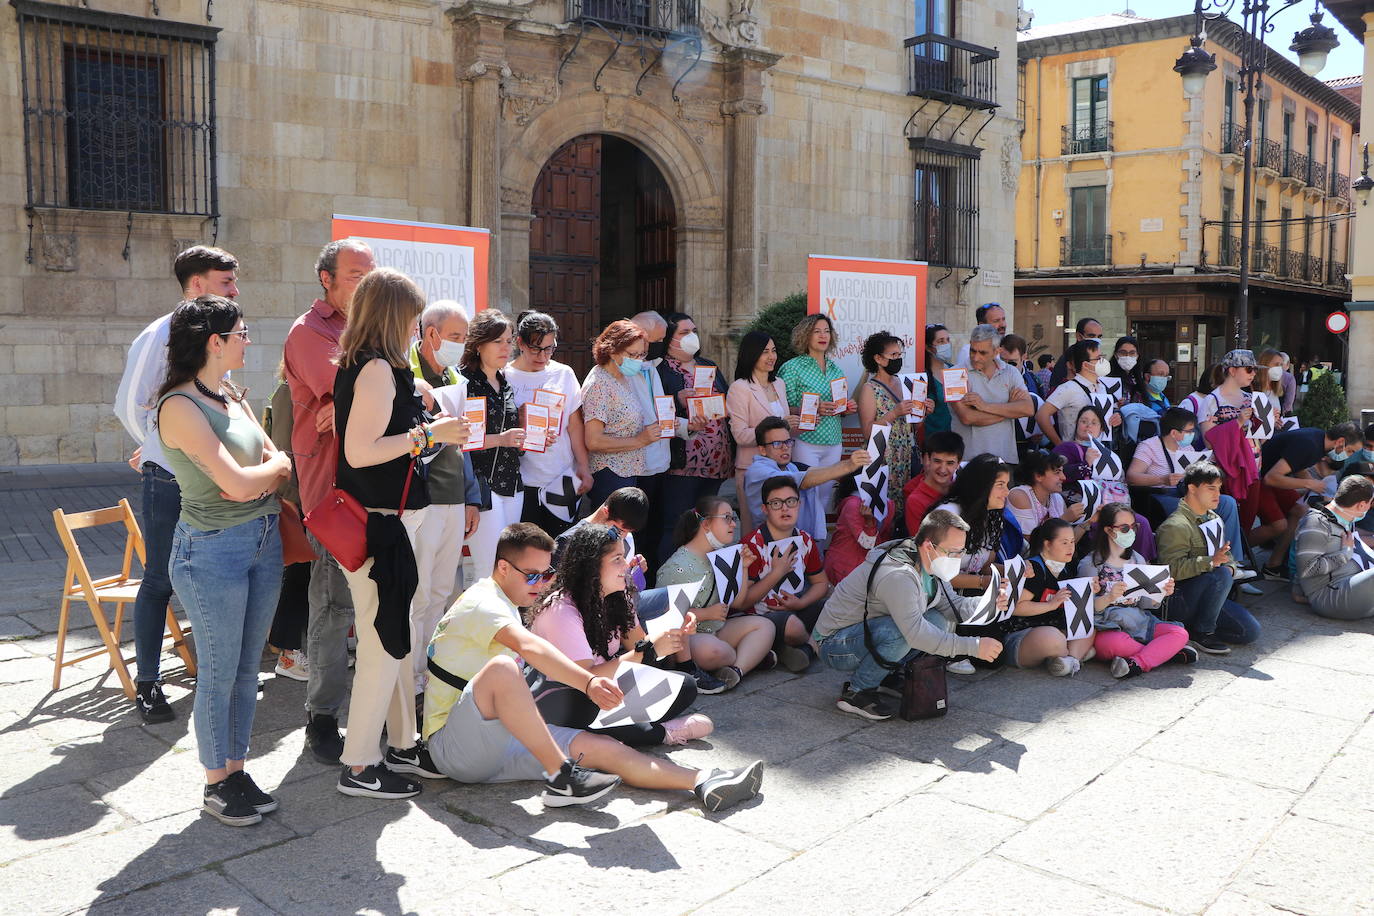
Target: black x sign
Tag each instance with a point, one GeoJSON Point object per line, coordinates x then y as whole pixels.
{"type": "Point", "coordinates": [1141, 583]}
{"type": "Point", "coordinates": [1092, 497]}
{"type": "Point", "coordinates": [985, 612]}
{"type": "Point", "coordinates": [792, 582]}
{"type": "Point", "coordinates": [635, 707]}
{"type": "Point", "coordinates": [877, 450]}
{"type": "Point", "coordinates": [726, 566]}
{"type": "Point", "coordinates": [1263, 417]}
{"type": "Point", "coordinates": [1078, 615]}
{"type": "Point", "coordinates": [560, 497]}
{"type": "Point", "coordinates": [874, 492]}
{"type": "Point", "coordinates": [1213, 535]}
{"type": "Point", "coordinates": [1108, 466]}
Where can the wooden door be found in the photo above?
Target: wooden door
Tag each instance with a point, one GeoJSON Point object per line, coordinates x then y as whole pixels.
{"type": "Point", "coordinates": [565, 247]}
{"type": "Point", "coordinates": [656, 241]}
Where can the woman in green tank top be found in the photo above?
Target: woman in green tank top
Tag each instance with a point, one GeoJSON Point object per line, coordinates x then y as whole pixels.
{"type": "Point", "coordinates": [226, 553]}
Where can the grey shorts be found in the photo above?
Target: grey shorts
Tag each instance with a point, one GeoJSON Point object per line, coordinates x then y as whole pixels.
{"type": "Point", "coordinates": [1011, 647]}
{"type": "Point", "coordinates": [469, 748]}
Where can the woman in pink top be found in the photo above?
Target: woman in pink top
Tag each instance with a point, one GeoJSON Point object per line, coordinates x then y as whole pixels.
{"type": "Point", "coordinates": [856, 531]}
{"type": "Point", "coordinates": [755, 393]}
{"type": "Point", "coordinates": [589, 614]}
{"type": "Point", "coordinates": [1041, 494]}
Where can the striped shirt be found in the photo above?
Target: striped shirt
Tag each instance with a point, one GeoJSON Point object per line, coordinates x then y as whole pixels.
{"type": "Point", "coordinates": [801, 374]}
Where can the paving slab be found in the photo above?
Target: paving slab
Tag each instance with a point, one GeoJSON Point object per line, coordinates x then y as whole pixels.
{"type": "Point", "coordinates": [204, 892]}
{"type": "Point", "coordinates": [962, 739]}
{"type": "Point", "coordinates": [1344, 792]}
{"type": "Point", "coordinates": [1278, 682]}
{"type": "Point", "coordinates": [1035, 892]}
{"type": "Point", "coordinates": [1310, 867]}
{"type": "Point", "coordinates": [54, 817]}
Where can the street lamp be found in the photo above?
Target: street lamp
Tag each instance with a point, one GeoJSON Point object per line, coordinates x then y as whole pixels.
{"type": "Point", "coordinates": [1364, 184]}
{"type": "Point", "coordinates": [1312, 45]}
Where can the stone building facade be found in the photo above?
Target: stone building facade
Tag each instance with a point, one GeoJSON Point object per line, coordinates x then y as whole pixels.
{"type": "Point", "coordinates": [728, 140]}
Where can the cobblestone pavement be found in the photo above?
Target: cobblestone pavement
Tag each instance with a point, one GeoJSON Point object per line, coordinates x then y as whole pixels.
{"type": "Point", "coordinates": [1242, 785]}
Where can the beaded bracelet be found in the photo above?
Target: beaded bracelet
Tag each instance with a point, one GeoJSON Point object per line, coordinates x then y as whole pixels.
{"type": "Point", "coordinates": [417, 440]}
{"type": "Point", "coordinates": [429, 435]}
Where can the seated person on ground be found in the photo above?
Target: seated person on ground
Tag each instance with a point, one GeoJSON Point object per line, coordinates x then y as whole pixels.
{"type": "Point", "coordinates": [1041, 494]}
{"type": "Point", "coordinates": [1289, 471]}
{"type": "Point", "coordinates": [775, 441]}
{"type": "Point", "coordinates": [481, 721]}
{"type": "Point", "coordinates": [1328, 575]}
{"type": "Point", "coordinates": [1081, 455]}
{"type": "Point", "coordinates": [910, 606]}
{"type": "Point", "coordinates": [627, 511]}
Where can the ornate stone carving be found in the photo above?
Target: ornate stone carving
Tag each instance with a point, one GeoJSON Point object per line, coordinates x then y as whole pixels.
{"type": "Point", "coordinates": [742, 106]}
{"type": "Point", "coordinates": [523, 95]}
{"type": "Point", "coordinates": [1011, 163]}
{"type": "Point", "coordinates": [615, 110]}
{"type": "Point", "coordinates": [698, 119]}
{"type": "Point", "coordinates": [739, 29]}
{"type": "Point", "coordinates": [59, 251]}
{"type": "Point", "coordinates": [481, 68]}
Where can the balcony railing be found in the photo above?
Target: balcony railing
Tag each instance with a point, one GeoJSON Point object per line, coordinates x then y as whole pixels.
{"type": "Point", "coordinates": [1316, 175]}
{"type": "Point", "coordinates": [1229, 255]}
{"type": "Point", "coordinates": [1340, 185]}
{"type": "Point", "coordinates": [1335, 274]}
{"type": "Point", "coordinates": [950, 70]}
{"type": "Point", "coordinates": [1292, 264]}
{"type": "Point", "coordinates": [1232, 139]}
{"type": "Point", "coordinates": [1093, 251]}
{"type": "Point", "coordinates": [1313, 268]}
{"type": "Point", "coordinates": [1294, 165]}
{"type": "Point", "coordinates": [1086, 138]}
{"type": "Point", "coordinates": [1269, 154]}
{"type": "Point", "coordinates": [669, 16]}
{"type": "Point", "coordinates": [1264, 259]}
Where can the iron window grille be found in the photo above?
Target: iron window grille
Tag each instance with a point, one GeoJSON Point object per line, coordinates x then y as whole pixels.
{"type": "Point", "coordinates": [946, 203]}
{"type": "Point", "coordinates": [118, 111]}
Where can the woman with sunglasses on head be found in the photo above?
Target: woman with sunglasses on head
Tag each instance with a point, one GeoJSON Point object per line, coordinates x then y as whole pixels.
{"type": "Point", "coordinates": [939, 357]}
{"type": "Point", "coordinates": [725, 647]}
{"type": "Point", "coordinates": [856, 530]}
{"type": "Point", "coordinates": [1125, 632]}
{"type": "Point", "coordinates": [588, 614]}
{"type": "Point", "coordinates": [756, 393]}
{"type": "Point", "coordinates": [226, 553]}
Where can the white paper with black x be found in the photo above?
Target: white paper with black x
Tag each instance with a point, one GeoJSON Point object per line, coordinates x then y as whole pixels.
{"type": "Point", "coordinates": [728, 567]}
{"type": "Point", "coordinates": [1287, 423]}
{"type": "Point", "coordinates": [1112, 386]}
{"type": "Point", "coordinates": [873, 478]}
{"type": "Point", "coordinates": [1181, 459]}
{"type": "Point", "coordinates": [1078, 608]}
{"type": "Point", "coordinates": [1027, 425]}
{"type": "Point", "coordinates": [649, 694]}
{"type": "Point", "coordinates": [984, 610]}
{"type": "Point", "coordinates": [795, 581]}
{"type": "Point", "coordinates": [560, 497]}
{"type": "Point", "coordinates": [680, 598]}
{"type": "Point", "coordinates": [1144, 581]}
{"type": "Point", "coordinates": [1092, 499]}
{"type": "Point", "coordinates": [1262, 424]}
{"type": "Point", "coordinates": [1107, 404]}
{"type": "Point", "coordinates": [1363, 553]}
{"type": "Point", "coordinates": [1108, 463]}
{"type": "Point", "coordinates": [1015, 572]}
{"type": "Point", "coordinates": [1213, 535]}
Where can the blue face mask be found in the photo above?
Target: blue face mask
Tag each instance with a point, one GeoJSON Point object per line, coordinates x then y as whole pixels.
{"type": "Point", "coordinates": [1337, 457]}
{"type": "Point", "coordinates": [1159, 382]}
{"type": "Point", "coordinates": [631, 366]}
{"type": "Point", "coordinates": [1366, 455]}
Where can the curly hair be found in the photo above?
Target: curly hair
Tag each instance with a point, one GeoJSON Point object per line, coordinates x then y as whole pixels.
{"type": "Point", "coordinates": [619, 335]}
{"type": "Point", "coordinates": [875, 344]}
{"type": "Point", "coordinates": [489, 326]}
{"type": "Point", "coordinates": [579, 580]}
{"type": "Point", "coordinates": [971, 491]}
{"type": "Point", "coordinates": [801, 334]}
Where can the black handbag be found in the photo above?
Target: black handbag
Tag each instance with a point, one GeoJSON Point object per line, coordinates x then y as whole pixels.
{"type": "Point", "coordinates": [925, 691]}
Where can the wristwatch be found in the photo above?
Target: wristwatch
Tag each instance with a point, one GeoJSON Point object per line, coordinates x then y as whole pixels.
{"type": "Point", "coordinates": [644, 647]}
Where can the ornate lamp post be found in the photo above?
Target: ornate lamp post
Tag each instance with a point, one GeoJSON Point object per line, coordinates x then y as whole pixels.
{"type": "Point", "coordinates": [1312, 45]}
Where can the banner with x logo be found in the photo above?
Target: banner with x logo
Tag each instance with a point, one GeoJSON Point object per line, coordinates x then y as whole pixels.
{"type": "Point", "coordinates": [1108, 464]}
{"type": "Point", "coordinates": [1078, 608]}
{"type": "Point", "coordinates": [1144, 581]}
{"type": "Point", "coordinates": [560, 497]}
{"type": "Point", "coordinates": [1213, 535]}
{"type": "Point", "coordinates": [1181, 459]}
{"type": "Point", "coordinates": [649, 694]}
{"type": "Point", "coordinates": [795, 580]}
{"type": "Point", "coordinates": [1092, 498]}
{"type": "Point", "coordinates": [728, 568]}
{"type": "Point", "coordinates": [1262, 416]}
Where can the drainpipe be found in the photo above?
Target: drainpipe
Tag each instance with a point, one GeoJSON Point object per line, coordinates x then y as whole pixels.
{"type": "Point", "coordinates": [1039, 165]}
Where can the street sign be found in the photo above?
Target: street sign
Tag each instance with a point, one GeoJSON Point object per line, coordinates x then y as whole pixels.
{"type": "Point", "coordinates": [1338, 322]}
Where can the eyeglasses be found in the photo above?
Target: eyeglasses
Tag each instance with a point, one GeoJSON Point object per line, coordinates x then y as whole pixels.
{"type": "Point", "coordinates": [780, 443]}
{"type": "Point", "coordinates": [949, 553]}
{"type": "Point", "coordinates": [545, 351]}
{"type": "Point", "coordinates": [532, 577]}
{"type": "Point", "coordinates": [790, 502]}
{"type": "Point", "coordinates": [241, 332]}
{"type": "Point", "coordinates": [729, 516]}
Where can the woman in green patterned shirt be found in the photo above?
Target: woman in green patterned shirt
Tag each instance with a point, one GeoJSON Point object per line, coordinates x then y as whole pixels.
{"type": "Point", "coordinates": [811, 373]}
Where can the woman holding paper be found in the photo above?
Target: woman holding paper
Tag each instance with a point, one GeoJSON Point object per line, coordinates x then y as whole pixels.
{"type": "Point", "coordinates": [939, 355]}
{"type": "Point", "coordinates": [588, 614]}
{"type": "Point", "coordinates": [619, 427]}
{"type": "Point", "coordinates": [726, 647]}
{"type": "Point", "coordinates": [756, 393]}
{"type": "Point", "coordinates": [496, 463]}
{"type": "Point", "coordinates": [1126, 634]}
{"type": "Point", "coordinates": [882, 402]}
{"type": "Point", "coordinates": [704, 461]}
{"type": "Point", "coordinates": [816, 391]}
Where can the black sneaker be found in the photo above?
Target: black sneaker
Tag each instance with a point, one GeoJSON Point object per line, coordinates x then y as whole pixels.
{"type": "Point", "coordinates": [376, 781]}
{"type": "Point", "coordinates": [224, 802]}
{"type": "Point", "coordinates": [1123, 668]}
{"type": "Point", "coordinates": [1209, 644]}
{"type": "Point", "coordinates": [576, 785]}
{"type": "Point", "coordinates": [1186, 656]}
{"type": "Point", "coordinates": [769, 662]}
{"type": "Point", "coordinates": [322, 738]}
{"type": "Point", "coordinates": [1276, 572]}
{"type": "Point", "coordinates": [894, 685]}
{"type": "Point", "coordinates": [152, 703]}
{"type": "Point", "coordinates": [260, 800]}
{"type": "Point", "coordinates": [707, 683]}
{"type": "Point", "coordinates": [724, 788]}
{"type": "Point", "coordinates": [795, 658]}
{"type": "Point", "coordinates": [414, 760]}
{"type": "Point", "coordinates": [870, 704]}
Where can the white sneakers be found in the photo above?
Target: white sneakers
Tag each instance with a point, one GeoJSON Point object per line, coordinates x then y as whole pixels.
{"type": "Point", "coordinates": [1063, 666]}
{"type": "Point", "coordinates": [293, 663]}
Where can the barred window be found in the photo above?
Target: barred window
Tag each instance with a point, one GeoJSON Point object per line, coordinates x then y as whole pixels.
{"type": "Point", "coordinates": [119, 111]}
{"type": "Point", "coordinates": [946, 203]}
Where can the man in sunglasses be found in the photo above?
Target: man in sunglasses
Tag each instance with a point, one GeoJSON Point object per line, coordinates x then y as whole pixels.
{"type": "Point", "coordinates": [482, 725]}
{"type": "Point", "coordinates": [774, 438]}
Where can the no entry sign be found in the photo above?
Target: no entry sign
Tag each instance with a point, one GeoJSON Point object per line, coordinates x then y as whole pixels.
{"type": "Point", "coordinates": [1338, 322]}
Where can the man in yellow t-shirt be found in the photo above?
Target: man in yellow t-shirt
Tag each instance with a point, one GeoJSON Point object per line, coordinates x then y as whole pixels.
{"type": "Point", "coordinates": [481, 722]}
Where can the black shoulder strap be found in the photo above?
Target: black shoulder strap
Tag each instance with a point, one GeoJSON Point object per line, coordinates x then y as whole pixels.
{"type": "Point", "coordinates": [868, 634]}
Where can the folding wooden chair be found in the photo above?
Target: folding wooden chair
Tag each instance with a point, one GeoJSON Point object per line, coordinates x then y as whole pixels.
{"type": "Point", "coordinates": [118, 589]}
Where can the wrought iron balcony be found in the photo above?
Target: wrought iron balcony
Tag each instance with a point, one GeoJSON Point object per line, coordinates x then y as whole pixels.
{"type": "Point", "coordinates": [950, 70]}
{"type": "Point", "coordinates": [1340, 185]}
{"type": "Point", "coordinates": [1312, 268]}
{"type": "Point", "coordinates": [1264, 259]}
{"type": "Point", "coordinates": [1335, 275]}
{"type": "Point", "coordinates": [1269, 155]}
{"type": "Point", "coordinates": [1292, 264]}
{"type": "Point", "coordinates": [1094, 251]}
{"type": "Point", "coordinates": [1229, 255]}
{"type": "Point", "coordinates": [1232, 139]}
{"type": "Point", "coordinates": [660, 16]}
{"type": "Point", "coordinates": [1294, 164]}
{"type": "Point", "coordinates": [1316, 175]}
{"type": "Point", "coordinates": [1086, 138]}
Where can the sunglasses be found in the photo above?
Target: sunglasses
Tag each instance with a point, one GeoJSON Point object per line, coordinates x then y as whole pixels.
{"type": "Point", "coordinates": [1124, 527]}
{"type": "Point", "coordinates": [532, 578]}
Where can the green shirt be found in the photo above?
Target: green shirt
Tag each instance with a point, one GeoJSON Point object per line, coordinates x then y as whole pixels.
{"type": "Point", "coordinates": [202, 506]}
{"type": "Point", "coordinates": [801, 374]}
{"type": "Point", "coordinates": [684, 568]}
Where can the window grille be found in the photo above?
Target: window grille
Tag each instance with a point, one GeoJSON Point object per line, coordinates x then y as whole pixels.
{"type": "Point", "coordinates": [946, 203]}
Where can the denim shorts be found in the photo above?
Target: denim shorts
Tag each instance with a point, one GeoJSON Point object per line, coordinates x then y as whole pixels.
{"type": "Point", "coordinates": [1011, 648]}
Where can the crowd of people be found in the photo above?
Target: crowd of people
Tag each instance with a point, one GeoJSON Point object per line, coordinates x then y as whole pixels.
{"type": "Point", "coordinates": [404, 435]}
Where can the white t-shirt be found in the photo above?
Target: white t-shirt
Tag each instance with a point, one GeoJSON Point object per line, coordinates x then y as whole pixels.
{"type": "Point", "coordinates": [536, 469]}
{"type": "Point", "coordinates": [1209, 403]}
{"type": "Point", "coordinates": [1070, 398]}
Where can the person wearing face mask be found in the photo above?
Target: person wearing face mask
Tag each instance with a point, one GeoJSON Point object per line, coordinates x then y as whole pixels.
{"type": "Point", "coordinates": [704, 460]}
{"type": "Point", "coordinates": [1328, 576]}
{"type": "Point", "coordinates": [881, 402]}
{"type": "Point", "coordinates": [723, 648]}
{"type": "Point", "coordinates": [897, 601]}
{"type": "Point", "coordinates": [1058, 416]}
{"type": "Point", "coordinates": [856, 530]}
{"type": "Point", "coordinates": [1125, 365]}
{"type": "Point", "coordinates": [939, 357]}
{"type": "Point", "coordinates": [1286, 475]}
{"type": "Point", "coordinates": [997, 397]}
{"type": "Point", "coordinates": [1125, 633]}
{"type": "Point", "coordinates": [620, 432]}
{"type": "Point", "coordinates": [1087, 329]}
{"type": "Point", "coordinates": [1081, 457]}
{"type": "Point", "coordinates": [1157, 379]}
{"type": "Point", "coordinates": [1269, 379]}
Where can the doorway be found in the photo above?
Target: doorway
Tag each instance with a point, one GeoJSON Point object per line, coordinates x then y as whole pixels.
{"type": "Point", "coordinates": [603, 241]}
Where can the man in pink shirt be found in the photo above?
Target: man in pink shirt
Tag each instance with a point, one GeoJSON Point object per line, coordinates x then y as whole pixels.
{"type": "Point", "coordinates": [311, 346]}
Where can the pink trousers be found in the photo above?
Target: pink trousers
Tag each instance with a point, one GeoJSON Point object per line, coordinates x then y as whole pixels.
{"type": "Point", "coordinates": [1169, 639]}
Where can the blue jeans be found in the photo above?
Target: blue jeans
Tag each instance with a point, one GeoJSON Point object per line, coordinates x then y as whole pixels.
{"type": "Point", "coordinates": [844, 650]}
{"type": "Point", "coordinates": [158, 518]}
{"type": "Point", "coordinates": [1201, 605]}
{"type": "Point", "coordinates": [604, 483]}
{"type": "Point", "coordinates": [228, 581]}
{"type": "Point", "coordinates": [1226, 510]}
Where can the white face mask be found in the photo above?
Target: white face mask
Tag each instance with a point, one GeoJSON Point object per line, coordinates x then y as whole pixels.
{"type": "Point", "coordinates": [943, 567]}
{"type": "Point", "coordinates": [449, 352]}
{"type": "Point", "coordinates": [1275, 373]}
{"type": "Point", "coordinates": [1102, 368]}
{"type": "Point", "coordinates": [715, 542]}
{"type": "Point", "coordinates": [690, 344]}
{"type": "Point", "coordinates": [944, 352]}
{"type": "Point", "coordinates": [1127, 362]}
{"type": "Point", "coordinates": [1124, 541]}
{"type": "Point", "coordinates": [1054, 566]}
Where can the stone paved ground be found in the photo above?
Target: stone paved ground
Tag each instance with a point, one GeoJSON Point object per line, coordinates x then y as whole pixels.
{"type": "Point", "coordinates": [1244, 785]}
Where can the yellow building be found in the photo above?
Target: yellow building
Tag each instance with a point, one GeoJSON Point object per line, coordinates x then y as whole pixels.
{"type": "Point", "coordinates": [1129, 202]}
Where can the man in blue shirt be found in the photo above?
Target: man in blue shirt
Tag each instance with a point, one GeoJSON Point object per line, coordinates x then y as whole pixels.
{"type": "Point", "coordinates": [774, 438]}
